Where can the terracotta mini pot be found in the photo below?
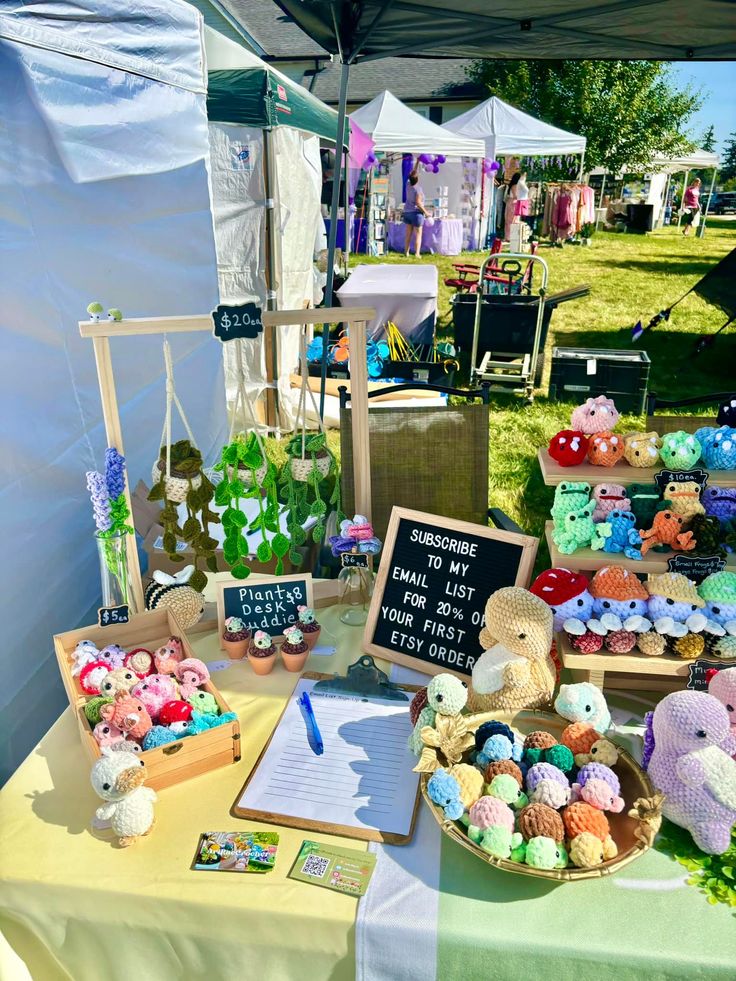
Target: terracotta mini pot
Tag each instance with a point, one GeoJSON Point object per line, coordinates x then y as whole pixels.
{"type": "Point", "coordinates": [310, 637]}
{"type": "Point", "coordinates": [262, 665]}
{"type": "Point", "coordinates": [236, 649]}
{"type": "Point", "coordinates": [294, 662]}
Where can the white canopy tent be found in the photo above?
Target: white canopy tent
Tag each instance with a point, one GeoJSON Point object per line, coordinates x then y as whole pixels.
{"type": "Point", "coordinates": [103, 196]}
{"type": "Point", "coordinates": [507, 131]}
{"type": "Point", "coordinates": [395, 128]}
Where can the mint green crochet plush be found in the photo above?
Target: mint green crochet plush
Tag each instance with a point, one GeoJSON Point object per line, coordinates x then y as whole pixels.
{"type": "Point", "coordinates": [502, 843]}
{"type": "Point", "coordinates": [680, 450]}
{"type": "Point", "coordinates": [446, 695]}
{"type": "Point", "coordinates": [507, 789]}
{"type": "Point", "coordinates": [204, 702]}
{"type": "Point", "coordinates": [545, 853]}
{"type": "Point", "coordinates": [576, 530]}
{"type": "Point", "coordinates": [570, 496]}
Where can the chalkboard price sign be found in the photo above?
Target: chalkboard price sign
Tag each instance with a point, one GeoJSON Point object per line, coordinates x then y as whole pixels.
{"type": "Point", "coordinates": [265, 603]}
{"type": "Point", "coordinates": [231, 322]}
{"type": "Point", "coordinates": [354, 560]}
{"type": "Point", "coordinates": [435, 577]}
{"type": "Point", "coordinates": [108, 616]}
{"type": "Point", "coordinates": [699, 673]}
{"type": "Point", "coordinates": [665, 477]}
{"type": "Point", "coordinates": [696, 567]}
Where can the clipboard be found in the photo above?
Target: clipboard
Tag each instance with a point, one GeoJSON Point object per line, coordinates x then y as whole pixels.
{"type": "Point", "coordinates": [365, 682]}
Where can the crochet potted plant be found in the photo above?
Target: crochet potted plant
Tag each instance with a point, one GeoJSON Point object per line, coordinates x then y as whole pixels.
{"type": "Point", "coordinates": [186, 484]}
{"type": "Point", "coordinates": [294, 650]}
{"type": "Point", "coordinates": [305, 488]}
{"type": "Point", "coordinates": [262, 653]}
{"type": "Point", "coordinates": [248, 474]}
{"type": "Point", "coordinates": [236, 638]}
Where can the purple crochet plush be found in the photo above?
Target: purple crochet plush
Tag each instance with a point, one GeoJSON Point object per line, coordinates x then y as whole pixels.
{"type": "Point", "coordinates": [597, 771]}
{"type": "Point", "coordinates": [544, 771]}
{"type": "Point", "coordinates": [690, 763]}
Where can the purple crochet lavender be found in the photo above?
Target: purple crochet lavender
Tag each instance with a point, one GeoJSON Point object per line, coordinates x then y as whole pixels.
{"type": "Point", "coordinates": [114, 473]}
{"type": "Point", "coordinates": [691, 765]}
{"type": "Point", "coordinates": [544, 771]}
{"type": "Point", "coordinates": [100, 500]}
{"type": "Point", "coordinates": [597, 771]}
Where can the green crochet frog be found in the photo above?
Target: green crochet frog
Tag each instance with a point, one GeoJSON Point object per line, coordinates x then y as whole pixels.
{"type": "Point", "coordinates": [502, 843]}
{"type": "Point", "coordinates": [645, 502]}
{"type": "Point", "coordinates": [545, 853]}
{"type": "Point", "coordinates": [569, 496]}
{"type": "Point", "coordinates": [576, 530]}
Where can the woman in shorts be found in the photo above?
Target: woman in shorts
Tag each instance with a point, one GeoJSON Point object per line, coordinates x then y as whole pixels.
{"type": "Point", "coordinates": [414, 214]}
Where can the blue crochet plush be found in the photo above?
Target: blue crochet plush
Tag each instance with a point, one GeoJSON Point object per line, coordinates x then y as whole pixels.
{"type": "Point", "coordinates": [718, 447]}
{"type": "Point", "coordinates": [623, 537]}
{"type": "Point", "coordinates": [444, 790]}
{"type": "Point", "coordinates": [492, 728]}
{"type": "Point", "coordinates": [496, 748]}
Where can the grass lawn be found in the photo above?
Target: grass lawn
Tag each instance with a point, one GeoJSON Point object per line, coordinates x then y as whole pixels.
{"type": "Point", "coordinates": [632, 277]}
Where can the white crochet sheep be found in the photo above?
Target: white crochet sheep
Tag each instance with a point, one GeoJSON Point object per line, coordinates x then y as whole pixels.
{"type": "Point", "coordinates": [118, 779]}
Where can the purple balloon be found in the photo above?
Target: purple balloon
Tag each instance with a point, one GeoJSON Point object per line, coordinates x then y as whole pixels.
{"type": "Point", "coordinates": [424, 158]}
{"type": "Point", "coordinates": [436, 169]}
{"type": "Point", "coordinates": [441, 158]}
{"type": "Point", "coordinates": [495, 165]}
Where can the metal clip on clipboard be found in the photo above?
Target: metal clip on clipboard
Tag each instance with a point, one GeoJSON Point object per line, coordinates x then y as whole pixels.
{"type": "Point", "coordinates": [366, 679]}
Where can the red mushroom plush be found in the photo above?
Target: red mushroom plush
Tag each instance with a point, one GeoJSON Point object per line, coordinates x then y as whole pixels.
{"type": "Point", "coordinates": [569, 447]}
{"type": "Point", "coordinates": [175, 715]}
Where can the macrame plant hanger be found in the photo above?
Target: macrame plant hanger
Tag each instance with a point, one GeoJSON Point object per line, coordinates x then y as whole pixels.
{"type": "Point", "coordinates": [182, 481]}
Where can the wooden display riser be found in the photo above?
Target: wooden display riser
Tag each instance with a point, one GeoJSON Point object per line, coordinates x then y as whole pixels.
{"type": "Point", "coordinates": [632, 672]}
{"type": "Point", "coordinates": [553, 474]}
{"type": "Point", "coordinates": [587, 560]}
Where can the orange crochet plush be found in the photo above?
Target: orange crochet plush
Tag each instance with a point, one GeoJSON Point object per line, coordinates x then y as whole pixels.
{"type": "Point", "coordinates": [667, 529]}
{"type": "Point", "coordinates": [605, 449]}
{"type": "Point", "coordinates": [579, 737]}
{"type": "Point", "coordinates": [580, 817]}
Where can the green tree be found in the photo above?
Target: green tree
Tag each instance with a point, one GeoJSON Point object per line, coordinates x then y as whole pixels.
{"type": "Point", "coordinates": [728, 159]}
{"type": "Point", "coordinates": [709, 139]}
{"type": "Point", "coordinates": [629, 111]}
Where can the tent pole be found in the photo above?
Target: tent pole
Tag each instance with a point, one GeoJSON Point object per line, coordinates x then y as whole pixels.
{"type": "Point", "coordinates": [701, 229]}
{"type": "Point", "coordinates": [348, 222]}
{"type": "Point", "coordinates": [582, 166]}
{"type": "Point", "coordinates": [332, 238]}
{"type": "Point", "coordinates": [272, 284]}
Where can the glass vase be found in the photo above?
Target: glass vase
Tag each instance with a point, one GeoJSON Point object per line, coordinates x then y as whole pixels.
{"type": "Point", "coordinates": [355, 591]}
{"type": "Point", "coordinates": [114, 576]}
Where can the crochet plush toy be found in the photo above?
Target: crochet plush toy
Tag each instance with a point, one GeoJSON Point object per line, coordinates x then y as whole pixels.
{"type": "Point", "coordinates": [537, 820]}
{"type": "Point", "coordinates": [688, 757]}
{"type": "Point", "coordinates": [646, 500]}
{"type": "Point", "coordinates": [609, 497]}
{"type": "Point", "coordinates": [618, 534]}
{"type": "Point", "coordinates": [518, 637]}
{"type": "Point", "coordinates": [569, 448]}
{"type": "Point", "coordinates": [444, 790]}
{"type": "Point", "coordinates": [139, 661]}
{"type": "Point", "coordinates": [545, 771]}
{"type": "Point", "coordinates": [596, 415]}
{"type": "Point", "coordinates": [680, 450]}
{"type": "Point", "coordinates": [544, 853]}
{"type": "Point", "coordinates": [719, 448]}
{"type": "Point", "coordinates": [708, 535]}
{"type": "Point", "coordinates": [83, 654]}
{"type": "Point", "coordinates": [576, 530]}
{"type": "Point", "coordinates": [113, 655]}
{"type": "Point", "coordinates": [121, 679]}
{"type": "Point", "coordinates": [168, 656]}
{"type": "Point", "coordinates": [587, 850]}
{"type": "Point", "coordinates": [579, 737]}
{"type": "Point", "coordinates": [551, 793]}
{"type": "Point", "coordinates": [204, 701]}
{"type": "Point", "coordinates": [508, 790]}
{"type": "Point", "coordinates": [603, 751]}
{"type": "Point", "coordinates": [502, 843]}
{"type": "Point", "coordinates": [723, 687]}
{"type": "Point", "coordinates": [720, 502]}
{"type": "Point", "coordinates": [470, 782]}
{"type": "Point", "coordinates": [641, 449]}
{"type": "Point", "coordinates": [598, 786]}
{"type": "Point", "coordinates": [174, 593]}
{"type": "Point", "coordinates": [486, 812]}
{"type": "Point", "coordinates": [446, 695]}
{"type": "Point", "coordinates": [605, 450]}
{"type": "Point", "coordinates": [667, 529]}
{"type": "Point", "coordinates": [718, 591]}
{"type": "Point", "coordinates": [118, 779]}
{"type": "Point", "coordinates": [672, 595]}
{"type": "Point", "coordinates": [191, 674]}
{"type": "Point", "coordinates": [570, 496]}
{"type": "Point", "coordinates": [154, 691]}
{"type": "Point", "coordinates": [684, 498]}
{"type": "Point", "coordinates": [584, 702]}
{"type": "Point", "coordinates": [128, 714]}
{"type": "Point", "coordinates": [565, 593]}
{"type": "Point", "coordinates": [496, 767]}
{"type": "Point", "coordinates": [617, 590]}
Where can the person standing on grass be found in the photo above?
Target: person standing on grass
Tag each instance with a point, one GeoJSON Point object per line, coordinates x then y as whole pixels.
{"type": "Point", "coordinates": [691, 207]}
{"type": "Point", "coordinates": [414, 214]}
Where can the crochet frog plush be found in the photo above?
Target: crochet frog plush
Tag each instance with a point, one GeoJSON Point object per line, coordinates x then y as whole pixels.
{"type": "Point", "coordinates": [597, 415]}
{"type": "Point", "coordinates": [645, 502]}
{"type": "Point", "coordinates": [569, 496]}
{"type": "Point", "coordinates": [720, 502]}
{"type": "Point", "coordinates": [576, 531]}
{"type": "Point", "coordinates": [684, 498]}
{"type": "Point", "coordinates": [609, 497]}
{"type": "Point", "coordinates": [622, 537]}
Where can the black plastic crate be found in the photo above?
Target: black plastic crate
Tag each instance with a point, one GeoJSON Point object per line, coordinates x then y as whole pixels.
{"type": "Point", "coordinates": [422, 372]}
{"type": "Point", "coordinates": [507, 323]}
{"type": "Point", "coordinates": [581, 372]}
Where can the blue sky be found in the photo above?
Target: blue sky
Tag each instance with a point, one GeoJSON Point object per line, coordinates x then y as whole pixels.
{"type": "Point", "coordinates": [717, 79]}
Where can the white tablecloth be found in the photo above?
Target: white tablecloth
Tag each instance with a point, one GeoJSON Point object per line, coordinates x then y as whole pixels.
{"type": "Point", "coordinates": [405, 293]}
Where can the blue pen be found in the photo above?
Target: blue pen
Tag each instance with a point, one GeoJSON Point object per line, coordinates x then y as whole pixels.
{"type": "Point", "coordinates": [305, 703]}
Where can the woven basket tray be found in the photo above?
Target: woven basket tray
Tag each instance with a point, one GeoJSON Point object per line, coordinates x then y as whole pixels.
{"type": "Point", "coordinates": [629, 834]}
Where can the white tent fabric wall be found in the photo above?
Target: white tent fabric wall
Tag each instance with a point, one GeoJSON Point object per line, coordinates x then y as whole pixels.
{"type": "Point", "coordinates": [239, 209]}
{"type": "Point", "coordinates": [88, 211]}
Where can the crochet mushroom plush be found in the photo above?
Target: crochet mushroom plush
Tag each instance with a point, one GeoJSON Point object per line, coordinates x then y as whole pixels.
{"type": "Point", "coordinates": [191, 674]}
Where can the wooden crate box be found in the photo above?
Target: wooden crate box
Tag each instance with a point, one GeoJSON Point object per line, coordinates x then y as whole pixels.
{"type": "Point", "coordinates": [177, 761]}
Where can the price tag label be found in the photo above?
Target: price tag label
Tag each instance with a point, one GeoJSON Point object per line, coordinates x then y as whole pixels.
{"type": "Point", "coordinates": [241, 320]}
{"type": "Point", "coordinates": [665, 477]}
{"type": "Point", "coordinates": [700, 672]}
{"type": "Point", "coordinates": [696, 567]}
{"type": "Point", "coordinates": [107, 616]}
{"type": "Point", "coordinates": [354, 560]}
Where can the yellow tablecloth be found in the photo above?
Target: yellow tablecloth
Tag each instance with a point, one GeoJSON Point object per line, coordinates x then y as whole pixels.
{"type": "Point", "coordinates": [73, 906]}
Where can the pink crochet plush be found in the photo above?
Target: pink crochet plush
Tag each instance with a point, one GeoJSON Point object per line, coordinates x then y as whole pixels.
{"type": "Point", "coordinates": [597, 415]}
{"type": "Point", "coordinates": [488, 811]}
{"type": "Point", "coordinates": [191, 674]}
{"type": "Point", "coordinates": [609, 497]}
{"type": "Point", "coordinates": [687, 753]}
{"type": "Point", "coordinates": [155, 691]}
{"type": "Point", "coordinates": [599, 794]}
{"type": "Point", "coordinates": [107, 734]}
{"type": "Point", "coordinates": [128, 714]}
{"type": "Point", "coordinates": [723, 687]}
{"type": "Point", "coordinates": [168, 656]}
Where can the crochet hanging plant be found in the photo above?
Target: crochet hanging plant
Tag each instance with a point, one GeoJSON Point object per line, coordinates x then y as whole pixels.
{"type": "Point", "coordinates": [248, 474]}
{"type": "Point", "coordinates": [187, 484]}
{"type": "Point", "coordinates": [307, 470]}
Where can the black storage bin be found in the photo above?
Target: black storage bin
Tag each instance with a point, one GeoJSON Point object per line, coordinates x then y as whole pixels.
{"type": "Point", "coordinates": [581, 372]}
{"type": "Point", "coordinates": [640, 217]}
{"type": "Point", "coordinates": [507, 323]}
{"type": "Point", "coordinates": [422, 372]}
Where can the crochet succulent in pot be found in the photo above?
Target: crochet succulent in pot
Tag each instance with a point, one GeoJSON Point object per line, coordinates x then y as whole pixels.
{"type": "Point", "coordinates": [305, 487]}
{"type": "Point", "coordinates": [186, 484]}
{"type": "Point", "coordinates": [247, 473]}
